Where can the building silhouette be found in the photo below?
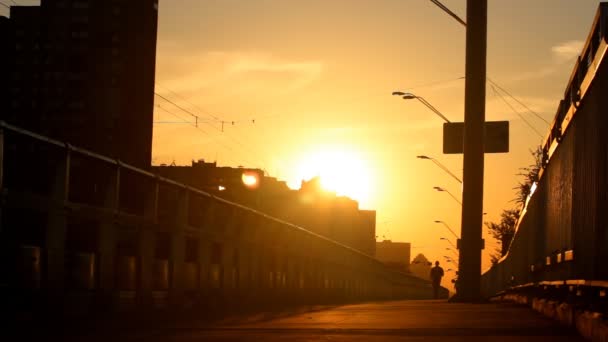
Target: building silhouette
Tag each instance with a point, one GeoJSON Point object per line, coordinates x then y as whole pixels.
{"type": "Point", "coordinates": [311, 207]}
{"type": "Point", "coordinates": [223, 181]}
{"type": "Point", "coordinates": [421, 266]}
{"type": "Point", "coordinates": [82, 71]}
{"type": "Point", "coordinates": [394, 254]}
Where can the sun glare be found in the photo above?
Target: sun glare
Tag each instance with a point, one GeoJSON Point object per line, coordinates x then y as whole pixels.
{"type": "Point", "coordinates": [342, 171]}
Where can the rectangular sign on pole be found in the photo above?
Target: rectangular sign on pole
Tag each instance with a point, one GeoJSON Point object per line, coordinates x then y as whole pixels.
{"type": "Point", "coordinates": [496, 137]}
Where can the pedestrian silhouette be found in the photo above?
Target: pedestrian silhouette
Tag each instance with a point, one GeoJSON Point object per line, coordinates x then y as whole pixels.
{"type": "Point", "coordinates": [436, 275]}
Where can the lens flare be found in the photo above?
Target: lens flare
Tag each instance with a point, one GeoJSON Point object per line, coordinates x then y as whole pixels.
{"type": "Point", "coordinates": [250, 179]}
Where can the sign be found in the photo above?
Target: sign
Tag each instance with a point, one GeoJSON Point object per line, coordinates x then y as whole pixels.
{"type": "Point", "coordinates": [496, 137]}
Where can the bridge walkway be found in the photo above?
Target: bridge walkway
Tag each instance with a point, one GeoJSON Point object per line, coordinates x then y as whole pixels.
{"type": "Point", "coordinates": [428, 320]}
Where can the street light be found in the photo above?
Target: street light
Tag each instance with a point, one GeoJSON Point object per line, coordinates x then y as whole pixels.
{"type": "Point", "coordinates": [451, 250]}
{"type": "Point", "coordinates": [448, 259]}
{"type": "Point", "coordinates": [409, 96]}
{"type": "Point", "coordinates": [440, 189]}
{"type": "Point", "coordinates": [448, 240]}
{"type": "Point", "coordinates": [473, 150]}
{"type": "Point", "coordinates": [448, 227]}
{"type": "Point", "coordinates": [441, 166]}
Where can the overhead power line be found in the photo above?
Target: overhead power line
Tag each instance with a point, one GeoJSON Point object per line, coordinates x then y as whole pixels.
{"type": "Point", "coordinates": [493, 83]}
{"type": "Point", "coordinates": [215, 118]}
{"type": "Point", "coordinates": [190, 103]}
{"type": "Point", "coordinates": [198, 120]}
{"type": "Point", "coordinates": [180, 107]}
{"type": "Point", "coordinates": [516, 112]}
{"type": "Point", "coordinates": [518, 101]}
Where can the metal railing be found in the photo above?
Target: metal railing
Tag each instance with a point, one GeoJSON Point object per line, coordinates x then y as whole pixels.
{"type": "Point", "coordinates": [559, 235]}
{"type": "Point", "coordinates": [75, 223]}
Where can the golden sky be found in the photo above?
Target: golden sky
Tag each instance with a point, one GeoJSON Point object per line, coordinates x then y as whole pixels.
{"type": "Point", "coordinates": [317, 77]}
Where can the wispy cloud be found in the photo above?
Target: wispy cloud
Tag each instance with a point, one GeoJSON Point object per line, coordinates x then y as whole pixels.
{"type": "Point", "coordinates": [567, 50]}
{"type": "Point", "coordinates": [230, 72]}
{"type": "Point", "coordinates": [563, 54]}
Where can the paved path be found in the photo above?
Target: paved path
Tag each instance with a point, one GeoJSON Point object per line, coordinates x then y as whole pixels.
{"type": "Point", "coordinates": [384, 321]}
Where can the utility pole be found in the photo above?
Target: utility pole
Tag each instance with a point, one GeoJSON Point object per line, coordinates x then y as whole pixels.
{"type": "Point", "coordinates": [471, 242]}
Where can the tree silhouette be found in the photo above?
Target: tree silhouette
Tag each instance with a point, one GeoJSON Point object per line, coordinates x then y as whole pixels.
{"type": "Point", "coordinates": [530, 175]}
{"type": "Point", "coordinates": [503, 231]}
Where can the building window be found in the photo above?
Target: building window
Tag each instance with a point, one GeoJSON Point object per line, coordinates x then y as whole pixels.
{"type": "Point", "coordinates": [80, 19]}
{"type": "Point", "coordinates": [80, 4]}
{"type": "Point", "coordinates": [80, 34]}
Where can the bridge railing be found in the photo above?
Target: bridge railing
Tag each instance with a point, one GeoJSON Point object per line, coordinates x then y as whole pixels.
{"type": "Point", "coordinates": [561, 233]}
{"type": "Point", "coordinates": [84, 230]}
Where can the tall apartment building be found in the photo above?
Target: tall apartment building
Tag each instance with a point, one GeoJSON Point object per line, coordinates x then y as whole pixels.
{"type": "Point", "coordinates": [82, 71]}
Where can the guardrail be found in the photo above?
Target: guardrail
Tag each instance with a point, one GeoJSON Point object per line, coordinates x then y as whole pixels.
{"type": "Point", "coordinates": [80, 231]}
{"type": "Point", "coordinates": [561, 232]}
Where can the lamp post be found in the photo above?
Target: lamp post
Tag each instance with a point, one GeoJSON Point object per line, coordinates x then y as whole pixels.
{"type": "Point", "coordinates": [409, 96]}
{"type": "Point", "coordinates": [448, 227]}
{"type": "Point", "coordinates": [452, 258]}
{"type": "Point", "coordinates": [469, 289]}
{"type": "Point", "coordinates": [441, 166]}
{"type": "Point", "coordinates": [473, 151]}
{"type": "Point", "coordinates": [440, 189]}
{"type": "Point", "coordinates": [448, 240]}
{"type": "Point", "coordinates": [453, 252]}
{"type": "Point", "coordinates": [448, 259]}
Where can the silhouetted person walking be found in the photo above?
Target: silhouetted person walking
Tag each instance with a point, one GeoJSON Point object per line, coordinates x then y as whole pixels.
{"type": "Point", "coordinates": [436, 275]}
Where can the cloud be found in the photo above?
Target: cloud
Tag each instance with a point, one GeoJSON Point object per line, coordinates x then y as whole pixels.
{"type": "Point", "coordinates": [564, 54]}
{"type": "Point", "coordinates": [234, 72]}
{"type": "Point", "coordinates": [567, 50]}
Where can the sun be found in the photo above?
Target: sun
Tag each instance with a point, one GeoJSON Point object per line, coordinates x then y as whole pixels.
{"type": "Point", "coordinates": [341, 170]}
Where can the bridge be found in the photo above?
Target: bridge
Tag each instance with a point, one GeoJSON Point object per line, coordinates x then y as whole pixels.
{"type": "Point", "coordinates": [87, 233]}
{"type": "Point", "coordinates": [82, 232]}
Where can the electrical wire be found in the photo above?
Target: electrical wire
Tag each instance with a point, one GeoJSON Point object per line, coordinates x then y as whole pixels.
{"type": "Point", "coordinates": [188, 102]}
{"type": "Point", "coordinates": [205, 112]}
{"type": "Point", "coordinates": [516, 112]}
{"type": "Point", "coordinates": [181, 108]}
{"type": "Point", "coordinates": [493, 83]}
{"type": "Point", "coordinates": [518, 101]}
{"type": "Point", "coordinates": [201, 130]}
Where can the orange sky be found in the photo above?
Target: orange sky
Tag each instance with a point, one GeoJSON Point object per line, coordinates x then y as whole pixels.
{"type": "Point", "coordinates": [318, 76]}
